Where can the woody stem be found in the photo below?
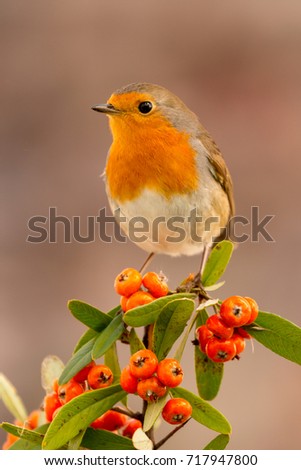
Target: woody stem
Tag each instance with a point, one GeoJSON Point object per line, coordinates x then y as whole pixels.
{"type": "Point", "coordinates": [127, 412]}
{"type": "Point", "coordinates": [168, 436]}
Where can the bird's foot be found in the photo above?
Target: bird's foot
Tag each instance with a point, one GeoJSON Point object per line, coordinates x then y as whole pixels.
{"type": "Point", "coordinates": [193, 283]}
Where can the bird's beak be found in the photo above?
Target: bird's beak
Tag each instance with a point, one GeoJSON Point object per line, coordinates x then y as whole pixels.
{"type": "Point", "coordinates": [105, 108]}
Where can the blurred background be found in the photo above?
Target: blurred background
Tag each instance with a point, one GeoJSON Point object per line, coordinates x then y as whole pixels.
{"type": "Point", "coordinates": [237, 65]}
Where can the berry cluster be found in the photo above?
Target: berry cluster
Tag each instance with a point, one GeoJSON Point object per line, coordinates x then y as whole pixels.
{"type": "Point", "coordinates": [117, 422]}
{"type": "Point", "coordinates": [222, 338]}
{"type": "Point", "coordinates": [136, 289]}
{"type": "Point", "coordinates": [91, 377]}
{"type": "Point", "coordinates": [150, 379]}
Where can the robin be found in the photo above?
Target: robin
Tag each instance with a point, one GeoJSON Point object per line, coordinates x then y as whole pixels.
{"type": "Point", "coordinates": [166, 180]}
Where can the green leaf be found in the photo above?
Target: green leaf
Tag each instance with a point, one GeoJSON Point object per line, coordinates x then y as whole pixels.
{"type": "Point", "coordinates": [22, 444]}
{"type": "Point", "coordinates": [208, 374]}
{"type": "Point", "coordinates": [97, 439]}
{"type": "Point", "coordinates": [11, 399]}
{"type": "Point", "coordinates": [75, 442]}
{"type": "Point", "coordinates": [148, 314]}
{"type": "Point", "coordinates": [92, 439]}
{"type": "Point", "coordinates": [277, 334]}
{"type": "Point", "coordinates": [23, 433]}
{"type": "Point", "coordinates": [111, 360]}
{"type": "Point", "coordinates": [108, 336]}
{"type": "Point", "coordinates": [89, 334]}
{"type": "Point", "coordinates": [220, 442]}
{"type": "Point", "coordinates": [214, 287]}
{"type": "Point", "coordinates": [152, 412]}
{"type": "Point", "coordinates": [203, 412]}
{"type": "Point", "coordinates": [34, 443]}
{"type": "Point", "coordinates": [170, 325]}
{"type": "Point", "coordinates": [80, 359]}
{"type": "Point", "coordinates": [79, 413]}
{"type": "Point", "coordinates": [180, 349]}
{"type": "Point", "coordinates": [88, 315]}
{"type": "Point", "coordinates": [135, 342]}
{"type": "Point", "coordinates": [217, 262]}
{"type": "Point", "coordinates": [207, 303]}
{"type": "Point", "coordinates": [115, 311]}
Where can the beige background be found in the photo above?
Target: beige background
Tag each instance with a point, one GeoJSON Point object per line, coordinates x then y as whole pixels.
{"type": "Point", "coordinates": [237, 65]}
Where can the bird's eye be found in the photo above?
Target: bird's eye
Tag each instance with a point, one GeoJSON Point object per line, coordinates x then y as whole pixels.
{"type": "Point", "coordinates": [145, 107]}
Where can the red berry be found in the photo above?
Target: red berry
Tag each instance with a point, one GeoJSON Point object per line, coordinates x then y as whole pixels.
{"type": "Point", "coordinates": [110, 421]}
{"type": "Point", "coordinates": [32, 420]}
{"type": "Point", "coordinates": [170, 372]}
{"type": "Point", "coordinates": [50, 405]}
{"type": "Point", "coordinates": [218, 327]}
{"type": "Point", "coordinates": [220, 350]}
{"type": "Point", "coordinates": [254, 310]}
{"type": "Point", "coordinates": [243, 333]}
{"type": "Point", "coordinates": [123, 302]}
{"type": "Point", "coordinates": [137, 299]}
{"type": "Point", "coordinates": [235, 311]}
{"type": "Point", "coordinates": [239, 342]}
{"type": "Point", "coordinates": [69, 391]}
{"type": "Point", "coordinates": [82, 375]}
{"type": "Point", "coordinates": [143, 364]}
{"type": "Point", "coordinates": [177, 411]}
{"type": "Point", "coordinates": [203, 335]}
{"type": "Point", "coordinates": [151, 389]}
{"type": "Point", "coordinates": [155, 284]}
{"type": "Point", "coordinates": [100, 376]}
{"type": "Point", "coordinates": [128, 282]}
{"type": "Point", "coordinates": [131, 426]}
{"type": "Point", "coordinates": [127, 381]}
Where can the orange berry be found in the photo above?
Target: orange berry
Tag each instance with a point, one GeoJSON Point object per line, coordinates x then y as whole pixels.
{"type": "Point", "coordinates": [55, 385]}
{"type": "Point", "coordinates": [32, 420]}
{"type": "Point", "coordinates": [170, 372]}
{"type": "Point", "coordinates": [218, 327]}
{"type": "Point", "coordinates": [128, 282]}
{"type": "Point", "coordinates": [10, 440]}
{"type": "Point", "coordinates": [110, 421]}
{"type": "Point", "coordinates": [177, 411]}
{"type": "Point", "coordinates": [155, 284]}
{"type": "Point", "coordinates": [235, 311]}
{"type": "Point", "coordinates": [69, 390]}
{"type": "Point", "coordinates": [254, 310]}
{"type": "Point", "coordinates": [143, 364]}
{"type": "Point", "coordinates": [127, 381]}
{"type": "Point", "coordinates": [131, 426]}
{"type": "Point", "coordinates": [203, 335]}
{"type": "Point", "coordinates": [243, 333]}
{"type": "Point", "coordinates": [220, 350]}
{"type": "Point", "coordinates": [51, 404]}
{"type": "Point", "coordinates": [139, 298]}
{"type": "Point", "coordinates": [123, 302]}
{"type": "Point", "coordinates": [82, 375]}
{"type": "Point", "coordinates": [100, 376]}
{"type": "Point", "coordinates": [239, 342]}
{"type": "Point", "coordinates": [151, 389]}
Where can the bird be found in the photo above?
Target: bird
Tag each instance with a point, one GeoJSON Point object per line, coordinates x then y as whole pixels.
{"type": "Point", "coordinates": [166, 180]}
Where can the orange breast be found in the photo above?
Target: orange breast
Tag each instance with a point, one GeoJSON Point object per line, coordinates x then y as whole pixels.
{"type": "Point", "coordinates": [155, 156]}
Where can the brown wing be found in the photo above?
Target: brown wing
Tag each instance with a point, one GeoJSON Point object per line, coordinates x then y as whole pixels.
{"type": "Point", "coordinates": [218, 167]}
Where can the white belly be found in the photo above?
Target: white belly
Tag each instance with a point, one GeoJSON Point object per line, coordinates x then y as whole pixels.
{"type": "Point", "coordinates": [161, 225]}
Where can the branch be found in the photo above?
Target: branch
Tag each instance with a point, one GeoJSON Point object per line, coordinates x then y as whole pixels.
{"type": "Point", "coordinates": [168, 436]}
